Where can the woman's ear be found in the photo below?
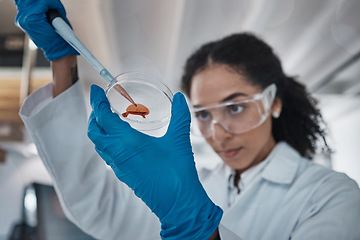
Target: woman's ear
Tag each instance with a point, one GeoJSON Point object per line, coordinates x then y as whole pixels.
{"type": "Point", "coordinates": [276, 108]}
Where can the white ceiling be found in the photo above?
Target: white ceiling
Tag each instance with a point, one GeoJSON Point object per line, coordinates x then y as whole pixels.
{"type": "Point", "coordinates": [312, 37]}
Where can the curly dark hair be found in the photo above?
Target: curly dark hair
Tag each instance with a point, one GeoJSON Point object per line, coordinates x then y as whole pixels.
{"type": "Point", "coordinates": [300, 123]}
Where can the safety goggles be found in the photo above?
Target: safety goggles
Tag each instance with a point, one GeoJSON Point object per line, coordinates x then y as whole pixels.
{"type": "Point", "coordinates": [236, 116]}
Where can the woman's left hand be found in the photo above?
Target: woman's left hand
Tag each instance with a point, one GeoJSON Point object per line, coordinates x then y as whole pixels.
{"type": "Point", "coordinates": [161, 171]}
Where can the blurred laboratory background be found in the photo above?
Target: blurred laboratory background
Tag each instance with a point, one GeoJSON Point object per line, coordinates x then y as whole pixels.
{"type": "Point", "coordinates": [317, 40]}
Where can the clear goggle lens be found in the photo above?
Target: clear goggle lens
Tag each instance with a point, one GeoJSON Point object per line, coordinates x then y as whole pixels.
{"type": "Point", "coordinates": [234, 116]}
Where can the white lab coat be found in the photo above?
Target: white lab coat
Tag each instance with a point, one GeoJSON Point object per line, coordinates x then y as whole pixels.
{"type": "Point", "coordinates": [291, 198]}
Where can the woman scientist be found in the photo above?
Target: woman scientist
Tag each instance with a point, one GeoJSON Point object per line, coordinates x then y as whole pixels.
{"type": "Point", "coordinates": [262, 124]}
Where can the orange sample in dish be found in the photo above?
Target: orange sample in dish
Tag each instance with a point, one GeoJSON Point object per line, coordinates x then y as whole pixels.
{"type": "Point", "coordinates": [137, 109]}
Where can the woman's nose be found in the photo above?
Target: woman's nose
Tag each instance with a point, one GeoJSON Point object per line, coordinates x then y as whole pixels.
{"type": "Point", "coordinates": [219, 133]}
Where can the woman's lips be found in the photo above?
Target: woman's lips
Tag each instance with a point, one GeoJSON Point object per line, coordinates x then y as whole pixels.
{"type": "Point", "coordinates": [229, 153]}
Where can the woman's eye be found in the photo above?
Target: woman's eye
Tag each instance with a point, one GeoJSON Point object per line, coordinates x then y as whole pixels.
{"type": "Point", "coordinates": [235, 109]}
{"type": "Point", "coordinates": [203, 116]}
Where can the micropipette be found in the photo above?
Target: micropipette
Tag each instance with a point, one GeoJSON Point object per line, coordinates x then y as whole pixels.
{"type": "Point", "coordinates": [65, 31]}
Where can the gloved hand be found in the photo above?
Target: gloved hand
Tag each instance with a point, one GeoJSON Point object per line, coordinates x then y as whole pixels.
{"type": "Point", "coordinates": [31, 18]}
{"type": "Point", "coordinates": [160, 171]}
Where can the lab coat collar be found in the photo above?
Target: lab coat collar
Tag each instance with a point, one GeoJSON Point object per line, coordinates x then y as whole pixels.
{"type": "Point", "coordinates": [283, 164]}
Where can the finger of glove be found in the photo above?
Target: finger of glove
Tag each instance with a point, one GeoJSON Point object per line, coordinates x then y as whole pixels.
{"type": "Point", "coordinates": [40, 6]}
{"type": "Point", "coordinates": [37, 27]}
{"type": "Point", "coordinates": [60, 50]}
{"type": "Point", "coordinates": [104, 146]}
{"type": "Point", "coordinates": [180, 115]}
{"type": "Point", "coordinates": [107, 120]}
{"type": "Point", "coordinates": [95, 132]}
{"type": "Point", "coordinates": [103, 142]}
{"type": "Point", "coordinates": [104, 157]}
{"type": "Point", "coordinates": [118, 132]}
{"type": "Point", "coordinates": [44, 36]}
{"type": "Point", "coordinates": [30, 11]}
{"type": "Point", "coordinates": [32, 19]}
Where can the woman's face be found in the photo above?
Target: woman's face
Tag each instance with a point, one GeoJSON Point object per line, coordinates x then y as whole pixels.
{"type": "Point", "coordinates": [239, 151]}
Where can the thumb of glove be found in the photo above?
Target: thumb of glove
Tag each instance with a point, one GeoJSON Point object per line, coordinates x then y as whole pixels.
{"type": "Point", "coordinates": [180, 116]}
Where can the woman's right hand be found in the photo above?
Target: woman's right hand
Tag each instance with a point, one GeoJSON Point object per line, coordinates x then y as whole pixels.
{"type": "Point", "coordinates": [31, 18]}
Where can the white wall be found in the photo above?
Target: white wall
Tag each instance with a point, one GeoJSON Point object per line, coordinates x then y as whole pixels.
{"type": "Point", "coordinates": [342, 114]}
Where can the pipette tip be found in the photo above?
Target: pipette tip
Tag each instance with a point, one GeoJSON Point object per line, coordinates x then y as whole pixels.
{"type": "Point", "coordinates": [123, 92]}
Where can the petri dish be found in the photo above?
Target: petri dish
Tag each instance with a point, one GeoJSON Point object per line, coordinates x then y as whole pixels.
{"type": "Point", "coordinates": [147, 90]}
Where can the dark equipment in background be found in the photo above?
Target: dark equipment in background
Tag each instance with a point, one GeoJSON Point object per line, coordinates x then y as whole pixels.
{"type": "Point", "coordinates": [43, 218]}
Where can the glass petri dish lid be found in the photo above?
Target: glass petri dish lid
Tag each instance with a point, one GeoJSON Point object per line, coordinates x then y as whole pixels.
{"type": "Point", "coordinates": [146, 90]}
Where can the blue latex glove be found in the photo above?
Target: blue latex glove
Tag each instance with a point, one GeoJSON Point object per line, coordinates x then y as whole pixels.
{"type": "Point", "coordinates": [31, 18]}
{"type": "Point", "coordinates": [161, 171]}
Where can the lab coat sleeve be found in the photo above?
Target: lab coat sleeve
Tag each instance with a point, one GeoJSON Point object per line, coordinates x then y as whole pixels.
{"type": "Point", "coordinates": [227, 234]}
{"type": "Point", "coordinates": [90, 194]}
{"type": "Point", "coordinates": [333, 211]}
